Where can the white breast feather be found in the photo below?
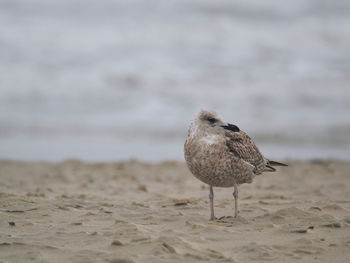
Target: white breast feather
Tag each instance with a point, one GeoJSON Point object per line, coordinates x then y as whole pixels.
{"type": "Point", "coordinates": [209, 140]}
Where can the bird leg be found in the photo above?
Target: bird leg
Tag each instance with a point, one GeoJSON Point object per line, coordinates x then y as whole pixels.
{"type": "Point", "coordinates": [235, 195]}
{"type": "Point", "coordinates": [211, 198]}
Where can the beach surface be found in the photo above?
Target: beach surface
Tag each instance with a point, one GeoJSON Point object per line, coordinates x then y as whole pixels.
{"type": "Point", "coordinates": [137, 212]}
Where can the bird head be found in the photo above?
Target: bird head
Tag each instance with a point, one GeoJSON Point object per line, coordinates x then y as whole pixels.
{"type": "Point", "coordinates": [210, 122]}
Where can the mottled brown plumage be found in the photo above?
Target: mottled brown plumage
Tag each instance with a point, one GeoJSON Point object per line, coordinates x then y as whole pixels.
{"type": "Point", "coordinates": [221, 155]}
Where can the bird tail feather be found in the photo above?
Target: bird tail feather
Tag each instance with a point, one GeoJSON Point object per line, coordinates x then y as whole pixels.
{"type": "Point", "coordinates": [269, 166]}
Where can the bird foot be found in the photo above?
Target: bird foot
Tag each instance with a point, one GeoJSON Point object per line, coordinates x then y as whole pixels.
{"type": "Point", "coordinates": [212, 218]}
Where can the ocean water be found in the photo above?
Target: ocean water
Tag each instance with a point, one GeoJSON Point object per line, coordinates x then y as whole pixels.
{"type": "Point", "coordinates": [116, 80]}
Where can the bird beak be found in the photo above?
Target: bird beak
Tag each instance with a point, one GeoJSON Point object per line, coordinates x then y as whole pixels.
{"type": "Point", "coordinates": [231, 127]}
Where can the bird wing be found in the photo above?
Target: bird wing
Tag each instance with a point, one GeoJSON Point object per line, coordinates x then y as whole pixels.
{"type": "Point", "coordinates": [243, 147]}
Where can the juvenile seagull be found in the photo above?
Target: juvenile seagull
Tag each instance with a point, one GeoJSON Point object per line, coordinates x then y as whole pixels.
{"type": "Point", "coordinates": [221, 155]}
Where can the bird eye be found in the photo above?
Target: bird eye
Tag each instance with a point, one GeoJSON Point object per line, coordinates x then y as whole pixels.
{"type": "Point", "coordinates": [212, 120]}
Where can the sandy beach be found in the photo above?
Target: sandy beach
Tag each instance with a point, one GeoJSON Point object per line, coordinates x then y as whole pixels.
{"type": "Point", "coordinates": [137, 212]}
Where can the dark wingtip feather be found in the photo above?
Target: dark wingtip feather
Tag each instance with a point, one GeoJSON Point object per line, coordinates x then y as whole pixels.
{"type": "Point", "coordinates": [273, 163]}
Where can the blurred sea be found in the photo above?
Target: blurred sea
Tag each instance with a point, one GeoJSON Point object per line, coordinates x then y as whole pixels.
{"type": "Point", "coordinates": [113, 80]}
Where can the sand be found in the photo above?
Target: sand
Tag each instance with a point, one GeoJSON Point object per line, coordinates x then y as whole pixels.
{"type": "Point", "coordinates": [136, 212]}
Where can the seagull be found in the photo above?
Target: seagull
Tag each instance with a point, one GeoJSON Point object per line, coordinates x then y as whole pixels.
{"type": "Point", "coordinates": [221, 155]}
